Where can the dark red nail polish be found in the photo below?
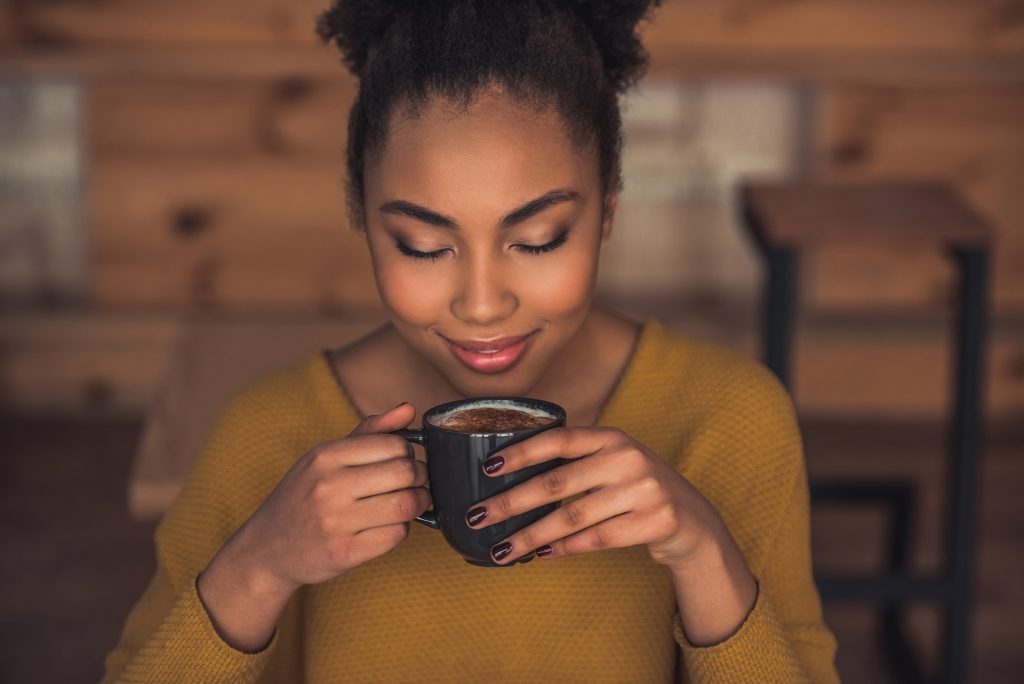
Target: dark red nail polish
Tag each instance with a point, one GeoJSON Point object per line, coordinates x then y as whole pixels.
{"type": "Point", "coordinates": [544, 550]}
{"type": "Point", "coordinates": [493, 465]}
{"type": "Point", "coordinates": [475, 515]}
{"type": "Point", "coordinates": [501, 550]}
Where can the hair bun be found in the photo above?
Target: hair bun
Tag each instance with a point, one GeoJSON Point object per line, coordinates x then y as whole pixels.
{"type": "Point", "coordinates": [355, 26]}
{"type": "Point", "coordinates": [613, 24]}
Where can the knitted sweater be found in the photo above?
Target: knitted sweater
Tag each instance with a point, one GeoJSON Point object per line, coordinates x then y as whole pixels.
{"type": "Point", "coordinates": [421, 614]}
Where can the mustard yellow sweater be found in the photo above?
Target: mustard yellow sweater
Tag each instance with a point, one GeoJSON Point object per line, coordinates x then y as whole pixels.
{"type": "Point", "coordinates": [422, 614]}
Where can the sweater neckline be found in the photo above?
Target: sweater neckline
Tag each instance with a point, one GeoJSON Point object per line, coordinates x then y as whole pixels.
{"type": "Point", "coordinates": [339, 405]}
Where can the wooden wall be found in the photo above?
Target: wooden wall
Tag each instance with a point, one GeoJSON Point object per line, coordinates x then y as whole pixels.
{"type": "Point", "coordinates": [971, 136]}
{"type": "Point", "coordinates": [223, 193]}
{"type": "Point", "coordinates": [215, 131]}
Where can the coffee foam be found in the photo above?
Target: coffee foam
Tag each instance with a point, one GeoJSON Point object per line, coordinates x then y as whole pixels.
{"type": "Point", "coordinates": [504, 404]}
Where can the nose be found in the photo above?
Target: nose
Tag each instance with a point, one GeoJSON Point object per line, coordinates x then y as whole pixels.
{"type": "Point", "coordinates": [484, 295]}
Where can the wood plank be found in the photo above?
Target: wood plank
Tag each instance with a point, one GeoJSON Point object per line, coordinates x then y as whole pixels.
{"type": "Point", "coordinates": [195, 200]}
{"type": "Point", "coordinates": [236, 231]}
{"type": "Point", "coordinates": [817, 67]}
{"type": "Point", "coordinates": [160, 22]}
{"type": "Point", "coordinates": [851, 279]}
{"type": "Point", "coordinates": [199, 61]}
{"type": "Point", "coordinates": [970, 137]}
{"type": "Point", "coordinates": [880, 372]}
{"type": "Point", "coordinates": [176, 117]}
{"type": "Point", "coordinates": [87, 361]}
{"type": "Point", "coordinates": [233, 284]}
{"type": "Point", "coordinates": [962, 26]}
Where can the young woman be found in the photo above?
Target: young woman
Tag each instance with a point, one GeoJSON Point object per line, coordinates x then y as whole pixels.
{"type": "Point", "coordinates": [483, 160]}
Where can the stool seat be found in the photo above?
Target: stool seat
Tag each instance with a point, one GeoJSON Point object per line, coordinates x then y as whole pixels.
{"type": "Point", "coordinates": [888, 212]}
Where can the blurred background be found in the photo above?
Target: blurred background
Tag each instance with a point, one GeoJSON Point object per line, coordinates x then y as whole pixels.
{"type": "Point", "coordinates": [172, 223]}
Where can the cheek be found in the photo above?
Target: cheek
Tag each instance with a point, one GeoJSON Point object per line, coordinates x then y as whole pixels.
{"type": "Point", "coordinates": [412, 292]}
{"type": "Point", "coordinates": [561, 285]}
{"type": "Point", "coordinates": [412, 295]}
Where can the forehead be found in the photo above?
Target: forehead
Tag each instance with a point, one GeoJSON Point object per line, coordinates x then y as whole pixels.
{"type": "Point", "coordinates": [488, 155]}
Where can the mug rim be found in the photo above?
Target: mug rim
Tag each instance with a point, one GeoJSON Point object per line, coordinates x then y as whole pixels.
{"type": "Point", "coordinates": [554, 409]}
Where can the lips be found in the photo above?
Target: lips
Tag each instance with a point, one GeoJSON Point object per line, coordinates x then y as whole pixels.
{"type": "Point", "coordinates": [491, 356]}
{"type": "Point", "coordinates": [489, 345]}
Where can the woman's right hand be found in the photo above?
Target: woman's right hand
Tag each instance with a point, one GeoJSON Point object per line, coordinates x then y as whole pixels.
{"type": "Point", "coordinates": [341, 504]}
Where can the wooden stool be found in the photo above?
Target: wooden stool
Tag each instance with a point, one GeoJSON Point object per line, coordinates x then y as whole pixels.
{"type": "Point", "coordinates": [787, 217]}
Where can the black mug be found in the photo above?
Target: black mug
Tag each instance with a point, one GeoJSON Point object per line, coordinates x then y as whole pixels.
{"type": "Point", "coordinates": [457, 480]}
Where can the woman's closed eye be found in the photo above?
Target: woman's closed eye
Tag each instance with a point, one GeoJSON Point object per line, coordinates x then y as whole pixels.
{"type": "Point", "coordinates": [529, 249]}
{"type": "Point", "coordinates": [540, 249]}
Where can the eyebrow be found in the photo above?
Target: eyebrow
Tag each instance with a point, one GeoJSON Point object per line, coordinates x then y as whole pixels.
{"type": "Point", "coordinates": [518, 215]}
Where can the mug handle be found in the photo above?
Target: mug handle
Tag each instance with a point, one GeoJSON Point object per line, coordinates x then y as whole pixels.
{"type": "Point", "coordinates": [429, 517]}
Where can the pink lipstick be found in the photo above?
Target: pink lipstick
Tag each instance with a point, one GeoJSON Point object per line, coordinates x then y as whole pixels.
{"type": "Point", "coordinates": [491, 356]}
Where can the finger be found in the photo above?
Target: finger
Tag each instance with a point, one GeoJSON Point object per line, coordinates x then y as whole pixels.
{"type": "Point", "coordinates": [618, 533]}
{"type": "Point", "coordinates": [567, 520]}
{"type": "Point", "coordinates": [563, 442]}
{"type": "Point", "coordinates": [547, 487]}
{"type": "Point", "coordinates": [364, 449]}
{"type": "Point", "coordinates": [376, 542]}
{"type": "Point", "coordinates": [390, 508]}
{"type": "Point", "coordinates": [388, 476]}
{"type": "Point", "coordinates": [389, 421]}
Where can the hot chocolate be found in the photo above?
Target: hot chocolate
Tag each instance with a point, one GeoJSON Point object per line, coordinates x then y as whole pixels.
{"type": "Point", "coordinates": [485, 419]}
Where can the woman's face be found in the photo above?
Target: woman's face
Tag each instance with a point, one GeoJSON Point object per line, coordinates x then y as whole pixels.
{"type": "Point", "coordinates": [485, 225]}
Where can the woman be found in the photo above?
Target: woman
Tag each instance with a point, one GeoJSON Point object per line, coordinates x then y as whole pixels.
{"type": "Point", "coordinates": [483, 168]}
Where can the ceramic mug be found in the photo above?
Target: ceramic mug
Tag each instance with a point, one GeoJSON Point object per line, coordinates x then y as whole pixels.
{"type": "Point", "coordinates": [458, 482]}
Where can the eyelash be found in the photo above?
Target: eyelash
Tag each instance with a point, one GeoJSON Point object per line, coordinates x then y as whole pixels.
{"type": "Point", "coordinates": [529, 249]}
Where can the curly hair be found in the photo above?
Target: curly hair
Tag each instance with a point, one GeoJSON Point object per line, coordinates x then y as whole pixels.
{"type": "Point", "coordinates": [577, 56]}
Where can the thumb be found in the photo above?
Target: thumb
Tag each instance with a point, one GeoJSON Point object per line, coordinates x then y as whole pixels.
{"type": "Point", "coordinates": [392, 419]}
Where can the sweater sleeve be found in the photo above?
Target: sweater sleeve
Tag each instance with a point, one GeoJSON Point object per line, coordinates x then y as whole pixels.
{"type": "Point", "coordinates": [168, 635]}
{"type": "Point", "coordinates": [784, 638]}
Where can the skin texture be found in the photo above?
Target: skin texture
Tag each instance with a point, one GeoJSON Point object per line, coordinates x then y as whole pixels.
{"type": "Point", "coordinates": [350, 500]}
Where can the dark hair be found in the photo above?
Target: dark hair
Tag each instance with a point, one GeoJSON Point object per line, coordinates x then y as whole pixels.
{"type": "Point", "coordinates": [574, 55]}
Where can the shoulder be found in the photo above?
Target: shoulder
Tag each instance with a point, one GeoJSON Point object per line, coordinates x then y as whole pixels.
{"type": "Point", "coordinates": [290, 397]}
{"type": "Point", "coordinates": [722, 380]}
{"type": "Point", "coordinates": [260, 430]}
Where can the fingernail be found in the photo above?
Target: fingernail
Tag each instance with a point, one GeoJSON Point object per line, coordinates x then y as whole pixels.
{"type": "Point", "coordinates": [493, 464]}
{"type": "Point", "coordinates": [501, 550]}
{"type": "Point", "coordinates": [544, 550]}
{"type": "Point", "coordinates": [475, 515]}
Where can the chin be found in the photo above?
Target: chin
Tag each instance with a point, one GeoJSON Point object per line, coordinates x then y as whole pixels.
{"type": "Point", "coordinates": [508, 384]}
{"type": "Point", "coordinates": [519, 380]}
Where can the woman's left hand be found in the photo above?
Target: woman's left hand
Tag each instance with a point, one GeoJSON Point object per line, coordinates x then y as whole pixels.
{"type": "Point", "coordinates": [632, 497]}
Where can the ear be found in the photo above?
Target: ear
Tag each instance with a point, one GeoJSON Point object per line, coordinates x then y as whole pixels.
{"type": "Point", "coordinates": [611, 203]}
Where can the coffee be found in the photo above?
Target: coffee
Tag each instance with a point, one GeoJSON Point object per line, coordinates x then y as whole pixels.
{"type": "Point", "coordinates": [484, 419]}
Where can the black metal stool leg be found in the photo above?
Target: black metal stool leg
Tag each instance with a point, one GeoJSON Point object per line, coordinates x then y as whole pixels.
{"type": "Point", "coordinates": [964, 449]}
{"type": "Point", "coordinates": [895, 643]}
